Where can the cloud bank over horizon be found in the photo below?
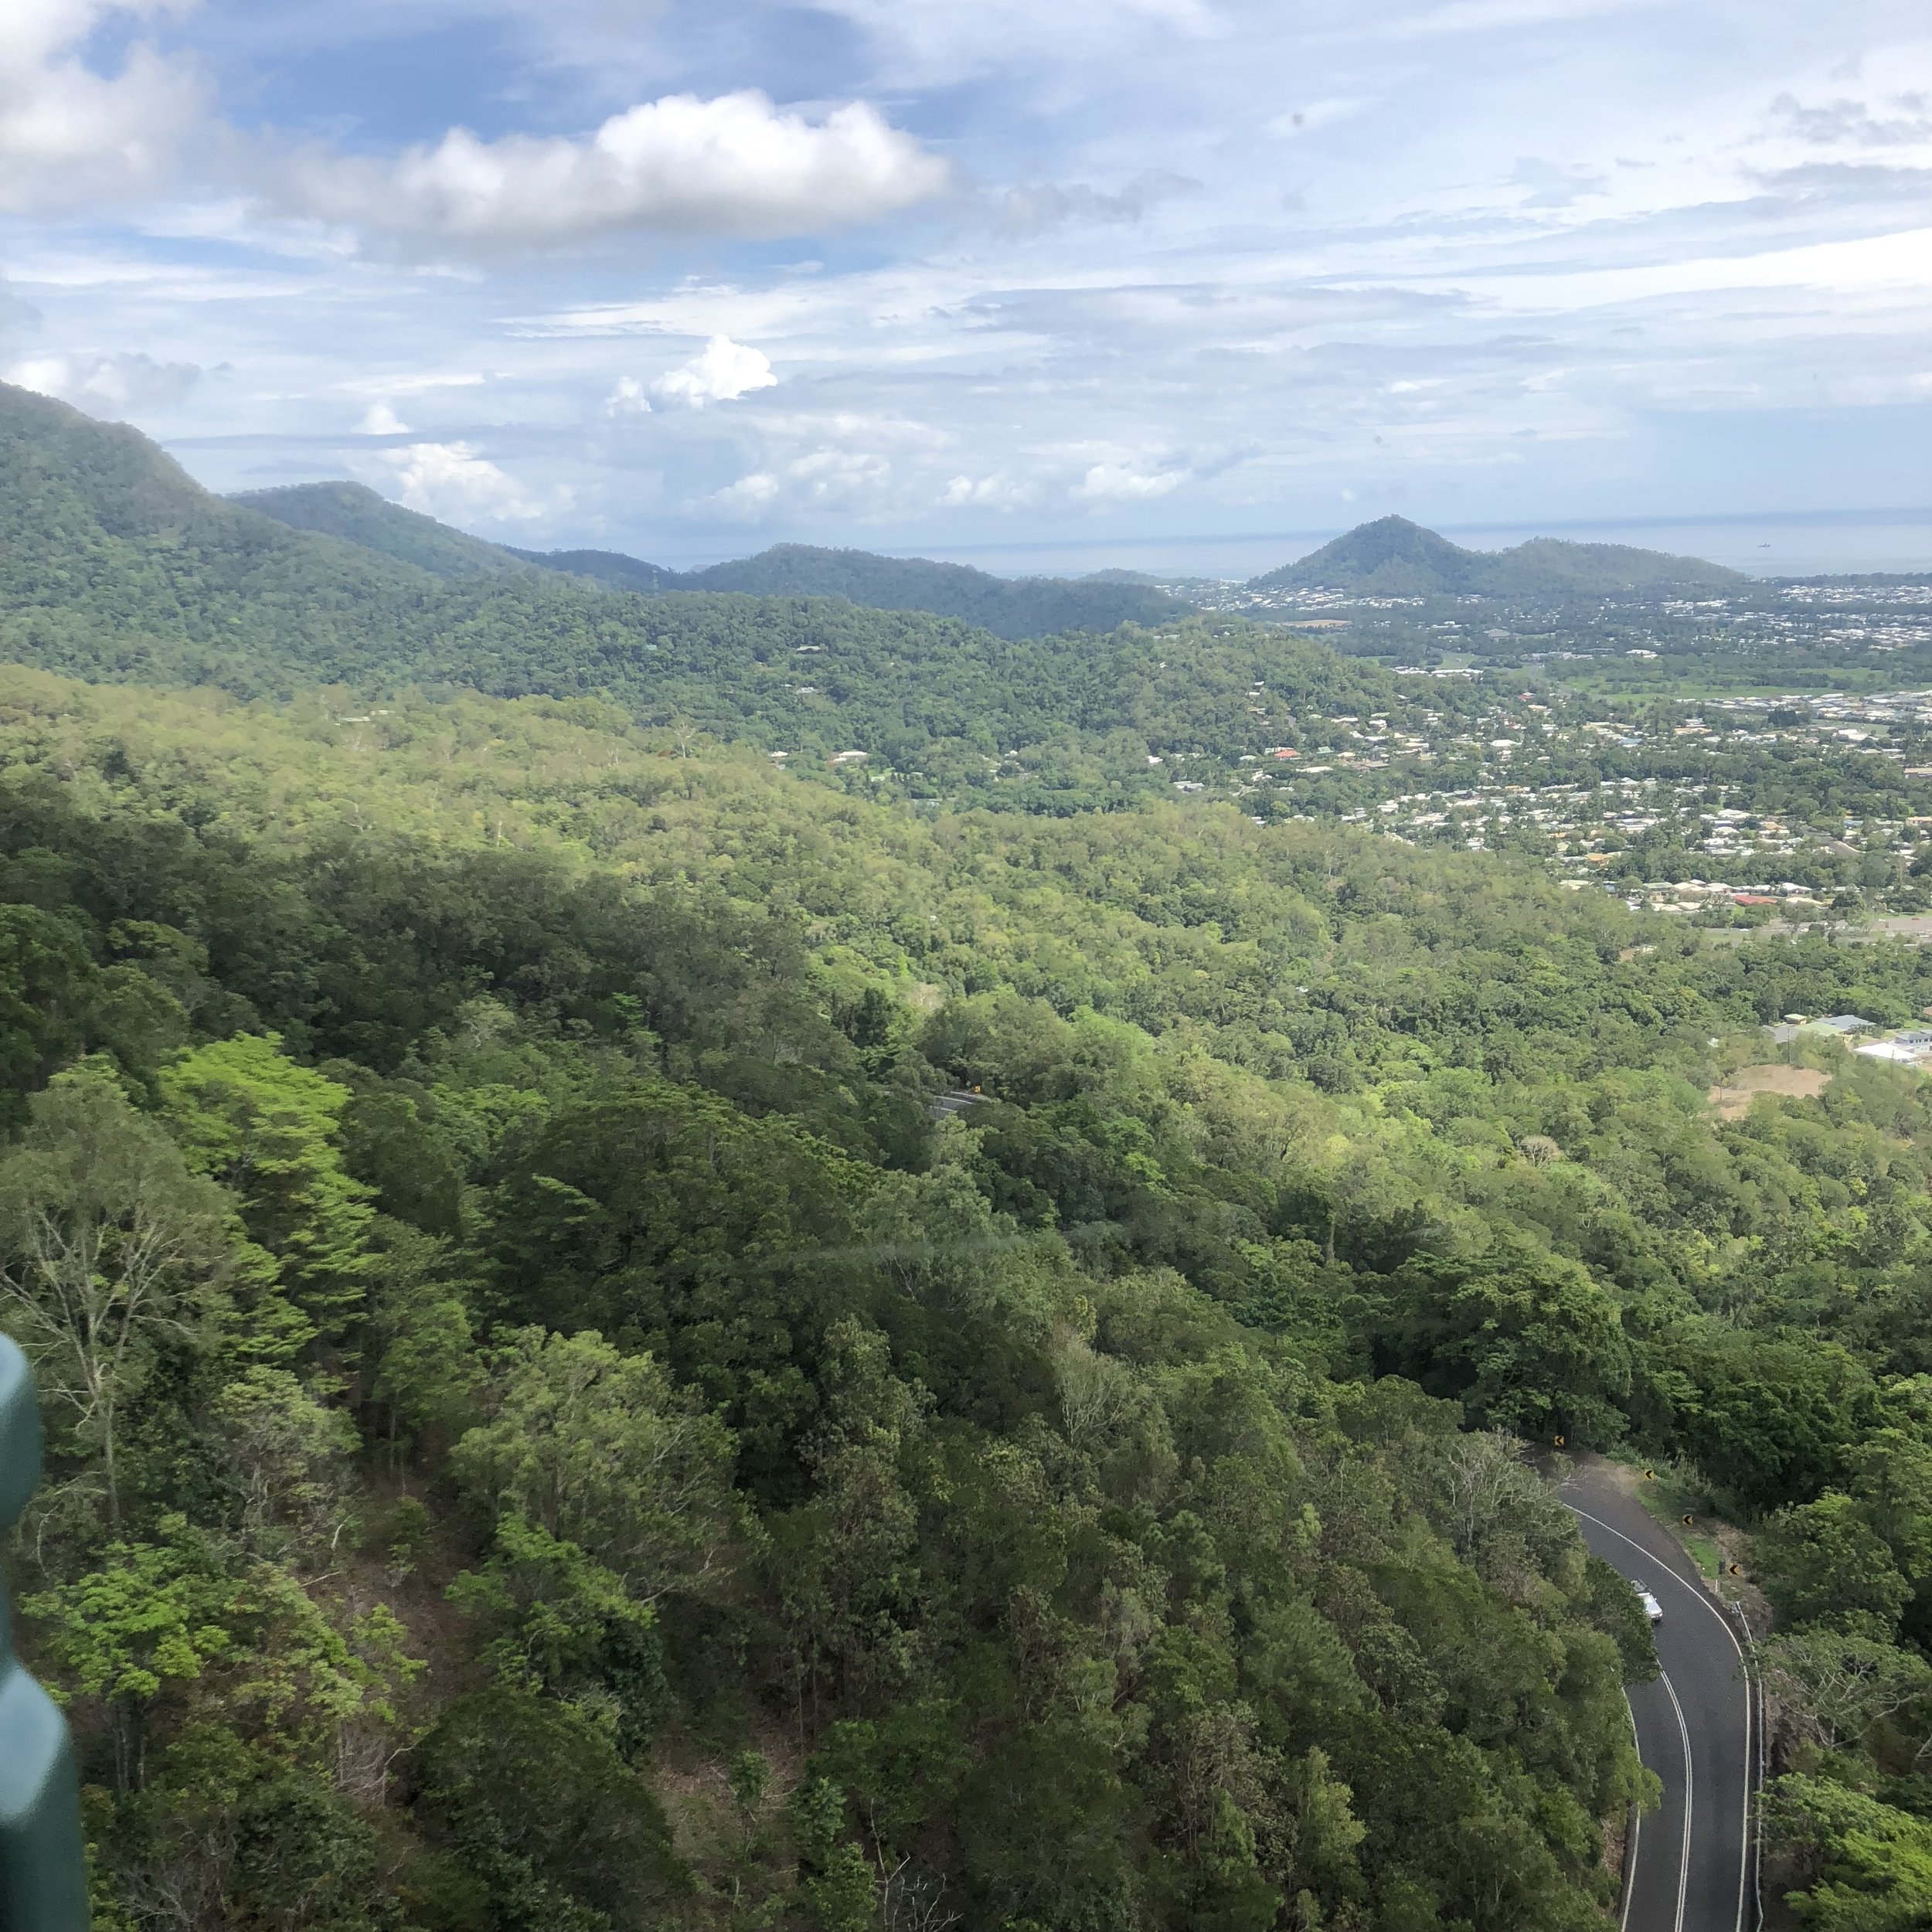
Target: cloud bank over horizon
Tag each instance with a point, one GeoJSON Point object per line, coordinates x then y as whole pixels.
{"type": "Point", "coordinates": [672, 279]}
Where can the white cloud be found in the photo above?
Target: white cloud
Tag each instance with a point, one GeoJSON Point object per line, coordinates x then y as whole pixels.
{"type": "Point", "coordinates": [721, 371]}
{"type": "Point", "coordinates": [1872, 263]}
{"type": "Point", "coordinates": [849, 480]}
{"type": "Point", "coordinates": [381, 420]}
{"type": "Point", "coordinates": [69, 135]}
{"type": "Point", "coordinates": [1120, 483]}
{"type": "Point", "coordinates": [627, 398]}
{"type": "Point", "coordinates": [416, 383]}
{"type": "Point", "coordinates": [736, 164]}
{"type": "Point", "coordinates": [110, 386]}
{"type": "Point", "coordinates": [750, 496]}
{"type": "Point", "coordinates": [998, 492]}
{"type": "Point", "coordinates": [451, 482]}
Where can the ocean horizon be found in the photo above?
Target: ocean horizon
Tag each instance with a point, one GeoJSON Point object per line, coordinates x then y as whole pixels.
{"type": "Point", "coordinates": [1777, 543]}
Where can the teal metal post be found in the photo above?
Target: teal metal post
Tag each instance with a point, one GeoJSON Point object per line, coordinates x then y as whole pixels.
{"type": "Point", "coordinates": [43, 1863]}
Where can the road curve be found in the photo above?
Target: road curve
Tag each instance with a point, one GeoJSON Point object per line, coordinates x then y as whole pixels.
{"type": "Point", "coordinates": [1692, 1866]}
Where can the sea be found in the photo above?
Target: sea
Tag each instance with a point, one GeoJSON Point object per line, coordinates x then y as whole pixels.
{"type": "Point", "coordinates": [1775, 544]}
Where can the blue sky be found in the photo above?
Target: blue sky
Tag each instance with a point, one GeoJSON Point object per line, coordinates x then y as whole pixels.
{"type": "Point", "coordinates": [986, 277]}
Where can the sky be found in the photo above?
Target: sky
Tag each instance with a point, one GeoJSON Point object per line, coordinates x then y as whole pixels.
{"type": "Point", "coordinates": [1043, 283]}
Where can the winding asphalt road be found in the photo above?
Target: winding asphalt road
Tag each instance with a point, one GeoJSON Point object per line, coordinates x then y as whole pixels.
{"type": "Point", "coordinates": [1692, 1866]}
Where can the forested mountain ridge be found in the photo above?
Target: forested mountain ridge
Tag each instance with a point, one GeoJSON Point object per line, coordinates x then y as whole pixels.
{"type": "Point", "coordinates": [1062, 1517]}
{"type": "Point", "coordinates": [357, 515]}
{"type": "Point", "coordinates": [114, 565]}
{"type": "Point", "coordinates": [1013, 609]}
{"type": "Point", "coordinates": [1394, 557]}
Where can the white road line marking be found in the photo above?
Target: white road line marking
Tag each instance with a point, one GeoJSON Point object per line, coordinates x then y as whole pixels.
{"type": "Point", "coordinates": [1690, 1787]}
{"type": "Point", "coordinates": [1744, 1863]}
{"type": "Point", "coordinates": [1636, 1825]}
{"type": "Point", "coordinates": [1723, 1623]}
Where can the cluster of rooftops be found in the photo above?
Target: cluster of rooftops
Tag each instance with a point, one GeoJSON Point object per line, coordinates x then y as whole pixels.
{"type": "Point", "coordinates": [1911, 1044]}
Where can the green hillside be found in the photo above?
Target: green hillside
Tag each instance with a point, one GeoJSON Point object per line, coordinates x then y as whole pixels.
{"type": "Point", "coordinates": [1394, 557]}
{"type": "Point", "coordinates": [115, 565]}
{"type": "Point", "coordinates": [1027, 607]}
{"type": "Point", "coordinates": [595, 1398]}
{"type": "Point", "coordinates": [357, 515]}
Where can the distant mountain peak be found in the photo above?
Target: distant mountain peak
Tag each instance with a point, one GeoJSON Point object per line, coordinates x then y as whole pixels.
{"type": "Point", "coordinates": [1394, 557]}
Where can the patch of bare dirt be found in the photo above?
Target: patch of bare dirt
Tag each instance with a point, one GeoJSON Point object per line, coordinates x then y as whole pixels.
{"type": "Point", "coordinates": [1733, 1099]}
{"type": "Point", "coordinates": [695, 1789]}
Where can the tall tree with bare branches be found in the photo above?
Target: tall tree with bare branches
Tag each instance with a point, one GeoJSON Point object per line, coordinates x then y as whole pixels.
{"type": "Point", "coordinates": [109, 1247]}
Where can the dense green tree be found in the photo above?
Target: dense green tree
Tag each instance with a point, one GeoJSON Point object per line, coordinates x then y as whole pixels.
{"type": "Point", "coordinates": [549, 1823]}
{"type": "Point", "coordinates": [271, 1129]}
{"type": "Point", "coordinates": [113, 1255]}
{"type": "Point", "coordinates": [1823, 1562]}
{"type": "Point", "coordinates": [1528, 1341]}
{"type": "Point", "coordinates": [549, 1619]}
{"type": "Point", "coordinates": [1867, 1865]}
{"type": "Point", "coordinates": [1766, 1417]}
{"type": "Point", "coordinates": [602, 1450]}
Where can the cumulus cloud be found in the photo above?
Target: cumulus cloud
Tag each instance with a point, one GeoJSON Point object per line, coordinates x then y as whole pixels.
{"type": "Point", "coordinates": [110, 386]}
{"type": "Point", "coordinates": [998, 492]}
{"type": "Point", "coordinates": [70, 135]}
{"type": "Point", "coordinates": [736, 164]}
{"type": "Point", "coordinates": [721, 371]}
{"type": "Point", "coordinates": [628, 398]}
{"type": "Point", "coordinates": [381, 420]}
{"type": "Point", "coordinates": [1106, 483]}
{"type": "Point", "coordinates": [451, 482]}
{"type": "Point", "coordinates": [73, 134]}
{"type": "Point", "coordinates": [848, 480]}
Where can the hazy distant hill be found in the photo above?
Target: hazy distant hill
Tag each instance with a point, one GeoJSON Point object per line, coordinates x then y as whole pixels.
{"type": "Point", "coordinates": [1394, 557]}
{"type": "Point", "coordinates": [1008, 607]}
{"type": "Point", "coordinates": [611, 568]}
{"type": "Point", "coordinates": [1026, 607]}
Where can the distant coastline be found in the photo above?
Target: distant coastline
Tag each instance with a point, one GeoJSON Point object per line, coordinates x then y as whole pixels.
{"type": "Point", "coordinates": [1801, 543]}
